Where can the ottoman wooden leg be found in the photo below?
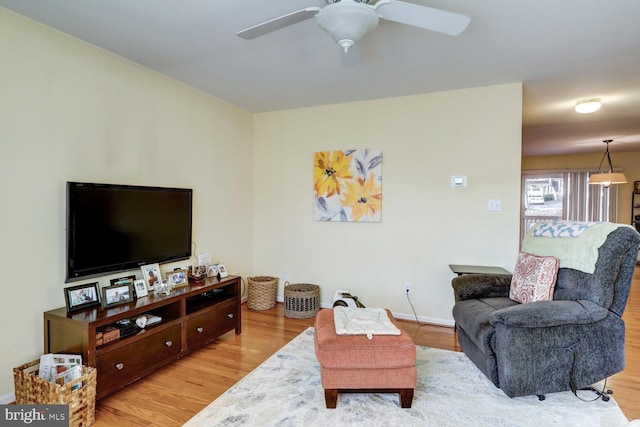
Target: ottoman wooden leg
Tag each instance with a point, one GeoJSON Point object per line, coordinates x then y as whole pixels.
{"type": "Point", "coordinates": [331, 397]}
{"type": "Point", "coordinates": [406, 397]}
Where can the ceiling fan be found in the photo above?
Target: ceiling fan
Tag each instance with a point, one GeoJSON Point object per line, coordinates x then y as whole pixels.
{"type": "Point", "coordinates": [347, 21]}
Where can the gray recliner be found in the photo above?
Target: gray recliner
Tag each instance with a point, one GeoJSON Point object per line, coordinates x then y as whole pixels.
{"type": "Point", "coordinates": [571, 342]}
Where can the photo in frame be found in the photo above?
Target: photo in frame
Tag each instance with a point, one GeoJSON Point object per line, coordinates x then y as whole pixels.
{"type": "Point", "coordinates": [212, 270]}
{"type": "Point", "coordinates": [151, 275]}
{"type": "Point", "coordinates": [117, 294]}
{"type": "Point", "coordinates": [123, 280]}
{"type": "Point", "coordinates": [223, 271]}
{"type": "Point", "coordinates": [80, 297]}
{"type": "Point", "coordinates": [141, 288]}
{"type": "Point", "coordinates": [177, 278]}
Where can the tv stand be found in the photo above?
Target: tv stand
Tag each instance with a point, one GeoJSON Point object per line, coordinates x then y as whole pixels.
{"type": "Point", "coordinates": [192, 316]}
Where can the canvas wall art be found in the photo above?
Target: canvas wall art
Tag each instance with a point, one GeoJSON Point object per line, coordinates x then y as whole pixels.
{"type": "Point", "coordinates": [348, 185]}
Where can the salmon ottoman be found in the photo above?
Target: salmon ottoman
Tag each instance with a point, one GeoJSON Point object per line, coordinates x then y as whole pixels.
{"type": "Point", "coordinates": [357, 364]}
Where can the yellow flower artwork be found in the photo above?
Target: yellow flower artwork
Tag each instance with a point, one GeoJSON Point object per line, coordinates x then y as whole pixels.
{"type": "Point", "coordinates": [348, 185]}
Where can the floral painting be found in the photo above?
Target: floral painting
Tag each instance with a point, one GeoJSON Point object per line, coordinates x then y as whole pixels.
{"type": "Point", "coordinates": [348, 185]}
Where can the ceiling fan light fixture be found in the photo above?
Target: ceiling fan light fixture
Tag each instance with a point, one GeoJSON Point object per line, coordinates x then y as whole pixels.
{"type": "Point", "coordinates": [606, 179]}
{"type": "Point", "coordinates": [588, 106]}
{"type": "Point", "coordinates": [347, 21]}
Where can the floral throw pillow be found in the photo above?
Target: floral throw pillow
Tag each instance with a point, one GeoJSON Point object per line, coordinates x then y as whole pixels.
{"type": "Point", "coordinates": [534, 278]}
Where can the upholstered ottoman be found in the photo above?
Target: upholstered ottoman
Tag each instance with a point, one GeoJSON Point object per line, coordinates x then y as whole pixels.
{"type": "Point", "coordinates": [357, 364]}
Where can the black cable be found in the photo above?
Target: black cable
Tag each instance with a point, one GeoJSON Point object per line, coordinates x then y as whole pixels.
{"type": "Point", "coordinates": [414, 311]}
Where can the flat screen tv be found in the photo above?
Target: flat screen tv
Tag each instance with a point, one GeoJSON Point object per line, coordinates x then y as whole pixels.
{"type": "Point", "coordinates": [114, 228]}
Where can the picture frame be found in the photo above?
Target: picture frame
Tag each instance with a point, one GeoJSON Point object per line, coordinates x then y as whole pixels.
{"type": "Point", "coordinates": [636, 187]}
{"type": "Point", "coordinates": [141, 288]}
{"type": "Point", "coordinates": [223, 270]}
{"type": "Point", "coordinates": [212, 270]}
{"type": "Point", "coordinates": [151, 275]}
{"type": "Point", "coordinates": [122, 280]}
{"type": "Point", "coordinates": [177, 278]}
{"type": "Point", "coordinates": [117, 294]}
{"type": "Point", "coordinates": [81, 297]}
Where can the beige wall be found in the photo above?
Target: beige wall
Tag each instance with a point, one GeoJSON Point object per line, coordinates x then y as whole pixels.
{"type": "Point", "coordinates": [628, 161]}
{"type": "Point", "coordinates": [69, 111]}
{"type": "Point", "coordinates": [426, 224]}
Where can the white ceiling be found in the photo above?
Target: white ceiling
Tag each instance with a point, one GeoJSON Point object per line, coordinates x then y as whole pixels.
{"type": "Point", "coordinates": [562, 50]}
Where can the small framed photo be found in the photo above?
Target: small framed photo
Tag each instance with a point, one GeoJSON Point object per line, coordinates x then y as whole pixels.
{"type": "Point", "coordinates": [151, 275]}
{"type": "Point", "coordinates": [212, 270]}
{"type": "Point", "coordinates": [177, 278]}
{"type": "Point", "coordinates": [123, 280]}
{"type": "Point", "coordinates": [222, 270]}
{"type": "Point", "coordinates": [117, 294]}
{"type": "Point", "coordinates": [141, 288]}
{"type": "Point", "coordinates": [636, 187]}
{"type": "Point", "coordinates": [81, 297]}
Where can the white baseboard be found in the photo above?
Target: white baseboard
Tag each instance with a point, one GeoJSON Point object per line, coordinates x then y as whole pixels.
{"type": "Point", "coordinates": [421, 319]}
{"type": "Point", "coordinates": [7, 398]}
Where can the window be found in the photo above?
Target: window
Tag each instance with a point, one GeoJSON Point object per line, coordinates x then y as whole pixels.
{"type": "Point", "coordinates": [565, 195]}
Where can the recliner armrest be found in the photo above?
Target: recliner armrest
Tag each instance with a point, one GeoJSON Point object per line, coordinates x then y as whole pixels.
{"type": "Point", "coordinates": [543, 314]}
{"type": "Point", "coordinates": [474, 286]}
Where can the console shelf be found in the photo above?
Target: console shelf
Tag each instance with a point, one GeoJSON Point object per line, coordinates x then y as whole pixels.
{"type": "Point", "coordinates": [192, 317]}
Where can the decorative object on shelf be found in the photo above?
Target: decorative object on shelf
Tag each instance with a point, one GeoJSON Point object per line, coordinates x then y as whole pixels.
{"type": "Point", "coordinates": [222, 270]}
{"type": "Point", "coordinates": [151, 275]}
{"type": "Point", "coordinates": [81, 297]}
{"type": "Point", "coordinates": [212, 270]}
{"type": "Point", "coordinates": [606, 179]}
{"type": "Point", "coordinates": [140, 288]}
{"type": "Point", "coordinates": [261, 292]}
{"type": "Point", "coordinates": [588, 106]}
{"type": "Point", "coordinates": [123, 280]}
{"type": "Point", "coordinates": [162, 288]}
{"type": "Point", "coordinates": [117, 294]}
{"type": "Point", "coordinates": [197, 273]}
{"type": "Point", "coordinates": [141, 322]}
{"type": "Point", "coordinates": [177, 278]}
{"type": "Point", "coordinates": [348, 185]}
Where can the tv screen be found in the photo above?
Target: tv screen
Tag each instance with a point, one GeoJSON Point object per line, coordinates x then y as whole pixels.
{"type": "Point", "coordinates": [113, 228]}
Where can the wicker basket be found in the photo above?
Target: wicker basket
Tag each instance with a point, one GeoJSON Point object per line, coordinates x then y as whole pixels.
{"type": "Point", "coordinates": [301, 300]}
{"type": "Point", "coordinates": [33, 390]}
{"type": "Point", "coordinates": [262, 292]}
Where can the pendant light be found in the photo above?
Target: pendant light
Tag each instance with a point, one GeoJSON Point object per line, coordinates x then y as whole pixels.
{"type": "Point", "coordinates": [607, 178]}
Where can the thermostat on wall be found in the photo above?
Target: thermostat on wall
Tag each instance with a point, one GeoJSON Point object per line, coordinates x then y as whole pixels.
{"type": "Point", "coordinates": [458, 181]}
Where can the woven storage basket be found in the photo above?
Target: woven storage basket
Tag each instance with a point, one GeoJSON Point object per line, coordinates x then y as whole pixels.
{"type": "Point", "coordinates": [301, 300]}
{"type": "Point", "coordinates": [33, 390]}
{"type": "Point", "coordinates": [262, 292]}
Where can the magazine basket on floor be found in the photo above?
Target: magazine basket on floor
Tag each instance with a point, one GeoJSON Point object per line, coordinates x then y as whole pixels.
{"type": "Point", "coordinates": [33, 390]}
{"type": "Point", "coordinates": [262, 292]}
{"type": "Point", "coordinates": [301, 300]}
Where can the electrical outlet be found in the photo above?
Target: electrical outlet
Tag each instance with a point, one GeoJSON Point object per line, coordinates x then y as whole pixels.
{"type": "Point", "coordinates": [407, 287]}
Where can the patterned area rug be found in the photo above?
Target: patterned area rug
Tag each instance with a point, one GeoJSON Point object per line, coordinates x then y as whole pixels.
{"type": "Point", "coordinates": [286, 391]}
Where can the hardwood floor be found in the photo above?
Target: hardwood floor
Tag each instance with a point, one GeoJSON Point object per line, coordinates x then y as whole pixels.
{"type": "Point", "coordinates": [174, 394]}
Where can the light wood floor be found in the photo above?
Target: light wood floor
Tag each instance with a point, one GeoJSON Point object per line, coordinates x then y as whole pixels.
{"type": "Point", "coordinates": [174, 394]}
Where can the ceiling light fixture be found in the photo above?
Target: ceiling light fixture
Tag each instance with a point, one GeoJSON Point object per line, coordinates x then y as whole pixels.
{"type": "Point", "coordinates": [347, 21]}
{"type": "Point", "coordinates": [607, 178]}
{"type": "Point", "coordinates": [587, 106]}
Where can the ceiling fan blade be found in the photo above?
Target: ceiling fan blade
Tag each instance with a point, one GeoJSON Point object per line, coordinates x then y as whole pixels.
{"type": "Point", "coordinates": [277, 23]}
{"type": "Point", "coordinates": [425, 17]}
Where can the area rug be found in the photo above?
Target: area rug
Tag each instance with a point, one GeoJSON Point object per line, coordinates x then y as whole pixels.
{"type": "Point", "coordinates": [286, 391]}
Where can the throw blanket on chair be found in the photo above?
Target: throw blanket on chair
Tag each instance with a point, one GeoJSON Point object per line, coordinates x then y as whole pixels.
{"type": "Point", "coordinates": [575, 244]}
{"type": "Point", "coordinates": [363, 321]}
